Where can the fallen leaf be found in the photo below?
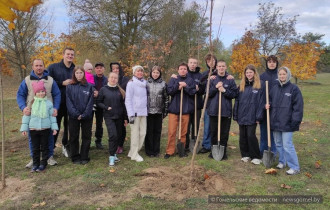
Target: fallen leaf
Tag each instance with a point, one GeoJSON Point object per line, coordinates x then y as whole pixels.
{"type": "Point", "coordinates": [206, 176]}
{"type": "Point", "coordinates": [12, 150]}
{"type": "Point", "coordinates": [102, 185]}
{"type": "Point", "coordinates": [43, 203]}
{"type": "Point", "coordinates": [286, 186]}
{"type": "Point", "coordinates": [233, 134]}
{"type": "Point", "coordinates": [308, 175]}
{"type": "Point", "coordinates": [232, 147]}
{"type": "Point", "coordinates": [318, 164]}
{"type": "Point", "coordinates": [271, 171]}
{"type": "Point", "coordinates": [35, 205]}
{"type": "Point", "coordinates": [15, 130]}
{"type": "Point", "coordinates": [112, 170]}
{"type": "Point", "coordinates": [315, 140]}
{"type": "Point", "coordinates": [302, 134]}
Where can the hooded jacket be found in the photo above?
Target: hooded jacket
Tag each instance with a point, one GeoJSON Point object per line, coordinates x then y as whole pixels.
{"type": "Point", "coordinates": [60, 73]}
{"type": "Point", "coordinates": [286, 106]}
{"type": "Point", "coordinates": [157, 95]}
{"type": "Point", "coordinates": [122, 80]}
{"type": "Point", "coordinates": [226, 97]}
{"type": "Point", "coordinates": [248, 106]}
{"type": "Point", "coordinates": [270, 76]}
{"type": "Point", "coordinates": [24, 91]}
{"type": "Point", "coordinates": [197, 76]}
{"type": "Point", "coordinates": [188, 95]}
{"type": "Point", "coordinates": [79, 100]}
{"type": "Point", "coordinates": [136, 97]}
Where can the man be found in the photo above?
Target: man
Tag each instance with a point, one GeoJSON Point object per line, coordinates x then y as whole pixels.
{"type": "Point", "coordinates": [100, 81]}
{"type": "Point", "coordinates": [62, 74]}
{"type": "Point", "coordinates": [25, 96]}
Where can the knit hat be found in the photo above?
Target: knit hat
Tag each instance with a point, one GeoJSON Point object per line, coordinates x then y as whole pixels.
{"type": "Point", "coordinates": [37, 86]}
{"type": "Point", "coordinates": [88, 66]}
{"type": "Point", "coordinates": [137, 67]}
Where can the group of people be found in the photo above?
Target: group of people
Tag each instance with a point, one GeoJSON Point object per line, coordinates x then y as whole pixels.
{"type": "Point", "coordinates": [74, 94]}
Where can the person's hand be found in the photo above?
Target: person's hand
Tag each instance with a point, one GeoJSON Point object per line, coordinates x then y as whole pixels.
{"type": "Point", "coordinates": [221, 89]}
{"type": "Point", "coordinates": [24, 133]}
{"type": "Point", "coordinates": [219, 85]}
{"type": "Point", "coordinates": [182, 85]}
{"type": "Point", "coordinates": [96, 93]}
{"type": "Point", "coordinates": [267, 106]}
{"type": "Point", "coordinates": [212, 77]}
{"type": "Point", "coordinates": [125, 123]}
{"type": "Point", "coordinates": [197, 88]}
{"type": "Point", "coordinates": [230, 77]}
{"type": "Point", "coordinates": [257, 122]}
{"type": "Point", "coordinates": [131, 120]}
{"type": "Point", "coordinates": [174, 76]}
{"type": "Point", "coordinates": [67, 82]}
{"type": "Point", "coordinates": [79, 117]}
{"type": "Point", "coordinates": [54, 132]}
{"type": "Point", "coordinates": [109, 108]}
{"type": "Point", "coordinates": [27, 111]}
{"type": "Point", "coordinates": [54, 113]}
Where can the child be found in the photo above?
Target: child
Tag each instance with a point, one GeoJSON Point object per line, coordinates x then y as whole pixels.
{"type": "Point", "coordinates": [88, 67]}
{"type": "Point", "coordinates": [136, 106]}
{"type": "Point", "coordinates": [286, 113]}
{"type": "Point", "coordinates": [248, 112]}
{"type": "Point", "coordinates": [174, 90]}
{"type": "Point", "coordinates": [157, 110]}
{"type": "Point", "coordinates": [111, 99]}
{"type": "Point", "coordinates": [39, 123]}
{"type": "Point", "coordinates": [79, 102]}
{"type": "Point", "coordinates": [229, 90]}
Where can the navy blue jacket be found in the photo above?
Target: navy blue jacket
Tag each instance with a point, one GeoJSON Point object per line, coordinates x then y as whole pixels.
{"type": "Point", "coordinates": [22, 92]}
{"type": "Point", "coordinates": [104, 81]}
{"type": "Point", "coordinates": [60, 73]}
{"type": "Point", "coordinates": [197, 76]}
{"type": "Point", "coordinates": [188, 95]}
{"type": "Point", "coordinates": [226, 98]}
{"type": "Point", "coordinates": [248, 106]}
{"type": "Point", "coordinates": [79, 100]}
{"type": "Point", "coordinates": [286, 107]}
{"type": "Point", "coordinates": [111, 97]}
{"type": "Point", "coordinates": [270, 76]}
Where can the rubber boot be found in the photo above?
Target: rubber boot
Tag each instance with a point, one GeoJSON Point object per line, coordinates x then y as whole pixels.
{"type": "Point", "coordinates": [112, 161]}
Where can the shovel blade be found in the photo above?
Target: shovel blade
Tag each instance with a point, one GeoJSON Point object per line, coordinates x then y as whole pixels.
{"type": "Point", "coordinates": [217, 152]}
{"type": "Point", "coordinates": [268, 158]}
{"type": "Point", "coordinates": [180, 148]}
{"type": "Point", "coordinates": [192, 145]}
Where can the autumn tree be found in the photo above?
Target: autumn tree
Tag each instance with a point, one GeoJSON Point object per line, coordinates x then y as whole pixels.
{"type": "Point", "coordinates": [273, 29]}
{"type": "Point", "coordinates": [245, 51]}
{"type": "Point", "coordinates": [301, 59]}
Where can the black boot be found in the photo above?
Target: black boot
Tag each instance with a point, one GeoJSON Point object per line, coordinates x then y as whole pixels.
{"type": "Point", "coordinates": [225, 157]}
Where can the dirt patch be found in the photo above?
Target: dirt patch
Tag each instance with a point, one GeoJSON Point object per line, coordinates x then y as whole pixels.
{"type": "Point", "coordinates": [16, 189]}
{"type": "Point", "coordinates": [176, 184]}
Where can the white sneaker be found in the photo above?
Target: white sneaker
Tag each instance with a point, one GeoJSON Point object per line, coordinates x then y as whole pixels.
{"type": "Point", "coordinates": [51, 161]}
{"type": "Point", "coordinates": [64, 151]}
{"type": "Point", "coordinates": [292, 172]}
{"type": "Point", "coordinates": [256, 161]}
{"type": "Point", "coordinates": [245, 159]}
{"type": "Point", "coordinates": [30, 164]}
{"type": "Point", "coordinates": [116, 158]}
{"type": "Point", "coordinates": [139, 159]}
{"type": "Point", "coordinates": [280, 166]}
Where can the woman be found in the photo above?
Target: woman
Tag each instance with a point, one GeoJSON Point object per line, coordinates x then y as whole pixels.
{"type": "Point", "coordinates": [136, 106]}
{"type": "Point", "coordinates": [111, 100]}
{"type": "Point", "coordinates": [79, 102]}
{"type": "Point", "coordinates": [286, 113]}
{"type": "Point", "coordinates": [157, 110]}
{"type": "Point", "coordinates": [247, 113]}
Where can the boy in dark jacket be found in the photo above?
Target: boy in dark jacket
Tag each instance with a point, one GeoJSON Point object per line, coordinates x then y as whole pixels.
{"type": "Point", "coordinates": [174, 90]}
{"type": "Point", "coordinates": [228, 89]}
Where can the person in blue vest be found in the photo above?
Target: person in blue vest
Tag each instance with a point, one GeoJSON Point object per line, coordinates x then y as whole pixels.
{"type": "Point", "coordinates": [248, 110]}
{"type": "Point", "coordinates": [286, 112]}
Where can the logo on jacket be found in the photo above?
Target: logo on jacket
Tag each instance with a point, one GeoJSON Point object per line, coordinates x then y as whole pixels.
{"type": "Point", "coordinates": [254, 91]}
{"type": "Point", "coordinates": [86, 92]}
{"type": "Point", "coordinates": [288, 94]}
{"type": "Point", "coordinates": [225, 85]}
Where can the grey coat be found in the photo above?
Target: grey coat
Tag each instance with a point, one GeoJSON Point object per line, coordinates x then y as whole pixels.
{"type": "Point", "coordinates": [157, 96]}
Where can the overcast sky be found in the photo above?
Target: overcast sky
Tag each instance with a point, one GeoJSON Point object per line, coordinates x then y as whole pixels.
{"type": "Point", "coordinates": [314, 16]}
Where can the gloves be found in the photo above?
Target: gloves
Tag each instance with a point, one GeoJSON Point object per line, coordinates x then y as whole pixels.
{"type": "Point", "coordinates": [131, 120]}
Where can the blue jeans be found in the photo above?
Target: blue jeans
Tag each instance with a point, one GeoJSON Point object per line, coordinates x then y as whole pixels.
{"type": "Point", "coordinates": [286, 150]}
{"type": "Point", "coordinates": [207, 134]}
{"type": "Point", "coordinates": [50, 144]}
{"type": "Point", "coordinates": [263, 138]}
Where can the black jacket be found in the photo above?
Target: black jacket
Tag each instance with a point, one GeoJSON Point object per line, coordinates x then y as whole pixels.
{"type": "Point", "coordinates": [286, 107]}
{"type": "Point", "coordinates": [197, 76]}
{"type": "Point", "coordinates": [226, 98]}
{"type": "Point", "coordinates": [111, 97]}
{"type": "Point", "coordinates": [122, 80]}
{"type": "Point", "coordinates": [248, 106]}
{"type": "Point", "coordinates": [188, 95]}
{"type": "Point", "coordinates": [79, 100]}
{"type": "Point", "coordinates": [60, 73]}
{"type": "Point", "coordinates": [104, 81]}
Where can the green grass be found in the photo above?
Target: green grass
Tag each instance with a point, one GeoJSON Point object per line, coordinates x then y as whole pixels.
{"type": "Point", "coordinates": [69, 186]}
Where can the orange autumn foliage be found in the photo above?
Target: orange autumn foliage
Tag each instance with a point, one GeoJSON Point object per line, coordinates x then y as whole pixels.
{"type": "Point", "coordinates": [4, 65]}
{"type": "Point", "coordinates": [245, 52]}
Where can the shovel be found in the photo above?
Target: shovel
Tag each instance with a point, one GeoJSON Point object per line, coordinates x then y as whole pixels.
{"type": "Point", "coordinates": [218, 150]}
{"type": "Point", "coordinates": [268, 156]}
{"type": "Point", "coordinates": [180, 145]}
{"type": "Point", "coordinates": [193, 141]}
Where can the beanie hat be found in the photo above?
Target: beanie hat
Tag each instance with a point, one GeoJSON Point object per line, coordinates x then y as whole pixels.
{"type": "Point", "coordinates": [137, 67]}
{"type": "Point", "coordinates": [37, 86]}
{"type": "Point", "coordinates": [88, 66]}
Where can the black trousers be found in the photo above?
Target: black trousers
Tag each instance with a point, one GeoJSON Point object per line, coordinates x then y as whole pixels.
{"type": "Point", "coordinates": [114, 127]}
{"type": "Point", "coordinates": [39, 141]}
{"type": "Point", "coordinates": [98, 113]}
{"type": "Point", "coordinates": [224, 130]}
{"type": "Point", "coordinates": [248, 142]}
{"type": "Point", "coordinates": [191, 127]}
{"type": "Point", "coordinates": [62, 113]}
{"type": "Point", "coordinates": [154, 130]}
{"type": "Point", "coordinates": [86, 134]}
{"type": "Point", "coordinates": [121, 140]}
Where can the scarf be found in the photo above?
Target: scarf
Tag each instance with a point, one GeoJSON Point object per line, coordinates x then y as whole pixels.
{"type": "Point", "coordinates": [39, 107]}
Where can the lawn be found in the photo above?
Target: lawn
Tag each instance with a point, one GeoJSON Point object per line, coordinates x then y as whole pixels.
{"type": "Point", "coordinates": [132, 185]}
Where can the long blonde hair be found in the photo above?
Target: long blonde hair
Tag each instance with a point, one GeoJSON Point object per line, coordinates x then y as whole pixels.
{"type": "Point", "coordinates": [256, 78]}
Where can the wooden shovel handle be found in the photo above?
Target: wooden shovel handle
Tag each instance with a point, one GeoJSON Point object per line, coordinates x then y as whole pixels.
{"type": "Point", "coordinates": [219, 116]}
{"type": "Point", "coordinates": [195, 117]}
{"type": "Point", "coordinates": [268, 121]}
{"type": "Point", "coordinates": [180, 116]}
